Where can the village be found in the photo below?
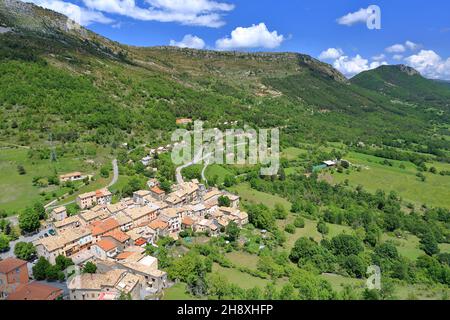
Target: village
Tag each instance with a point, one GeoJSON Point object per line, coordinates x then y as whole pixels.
{"type": "Point", "coordinates": [113, 236]}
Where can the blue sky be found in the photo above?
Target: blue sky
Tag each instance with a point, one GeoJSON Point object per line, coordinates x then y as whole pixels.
{"type": "Point", "coordinates": [412, 32]}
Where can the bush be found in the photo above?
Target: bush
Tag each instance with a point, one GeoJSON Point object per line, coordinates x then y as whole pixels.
{"type": "Point", "coordinates": [299, 222]}
{"type": "Point", "coordinates": [290, 228]}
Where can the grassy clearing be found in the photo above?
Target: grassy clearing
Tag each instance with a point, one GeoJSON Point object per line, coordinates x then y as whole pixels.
{"type": "Point", "coordinates": [444, 247]}
{"type": "Point", "coordinates": [338, 282]}
{"type": "Point", "coordinates": [219, 171]}
{"type": "Point", "coordinates": [17, 191]}
{"type": "Point", "coordinates": [244, 280]}
{"type": "Point", "coordinates": [241, 279]}
{"type": "Point", "coordinates": [243, 259]}
{"type": "Point", "coordinates": [309, 231]}
{"type": "Point", "coordinates": [409, 247]}
{"type": "Point", "coordinates": [293, 153]}
{"type": "Point", "coordinates": [248, 194]}
{"type": "Point", "coordinates": [178, 292]}
{"type": "Point", "coordinates": [374, 175]}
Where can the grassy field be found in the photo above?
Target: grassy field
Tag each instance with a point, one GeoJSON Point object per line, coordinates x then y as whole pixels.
{"type": "Point", "coordinates": [338, 282]}
{"type": "Point", "coordinates": [243, 259]}
{"type": "Point", "coordinates": [17, 191]}
{"type": "Point", "coordinates": [408, 247]}
{"type": "Point", "coordinates": [434, 191]}
{"type": "Point", "coordinates": [248, 194]}
{"type": "Point", "coordinates": [293, 153]}
{"type": "Point", "coordinates": [177, 292]}
{"type": "Point", "coordinates": [244, 280]}
{"type": "Point", "coordinates": [218, 170]}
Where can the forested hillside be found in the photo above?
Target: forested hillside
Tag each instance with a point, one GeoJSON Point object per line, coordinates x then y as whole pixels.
{"type": "Point", "coordinates": [75, 85]}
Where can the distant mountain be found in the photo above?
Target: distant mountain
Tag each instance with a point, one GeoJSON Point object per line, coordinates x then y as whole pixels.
{"type": "Point", "coordinates": [57, 77]}
{"type": "Point", "coordinates": [405, 83]}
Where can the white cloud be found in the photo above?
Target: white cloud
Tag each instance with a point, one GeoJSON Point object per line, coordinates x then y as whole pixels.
{"type": "Point", "coordinates": [412, 46]}
{"type": "Point", "coordinates": [188, 12]}
{"type": "Point", "coordinates": [430, 64]}
{"type": "Point", "coordinates": [397, 57]}
{"type": "Point", "coordinates": [360, 16]}
{"type": "Point", "coordinates": [400, 48]}
{"type": "Point", "coordinates": [76, 13]}
{"type": "Point", "coordinates": [351, 66]}
{"type": "Point", "coordinates": [189, 41]}
{"type": "Point", "coordinates": [256, 36]}
{"type": "Point", "coordinates": [331, 53]}
{"type": "Point", "coordinates": [379, 57]}
{"type": "Point", "coordinates": [396, 48]}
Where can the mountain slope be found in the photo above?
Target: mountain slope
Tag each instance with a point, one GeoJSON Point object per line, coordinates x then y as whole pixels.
{"type": "Point", "coordinates": [78, 86]}
{"type": "Point", "coordinates": [405, 83]}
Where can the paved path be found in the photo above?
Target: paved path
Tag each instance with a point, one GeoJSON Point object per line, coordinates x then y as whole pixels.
{"type": "Point", "coordinates": [115, 173]}
{"type": "Point", "coordinates": [198, 158]}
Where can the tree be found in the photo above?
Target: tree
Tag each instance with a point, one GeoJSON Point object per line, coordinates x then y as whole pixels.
{"type": "Point", "coordinates": [25, 251]}
{"type": "Point", "coordinates": [354, 266]}
{"type": "Point", "coordinates": [280, 212]}
{"type": "Point", "coordinates": [346, 245]}
{"type": "Point", "coordinates": [218, 286]}
{"type": "Point", "coordinates": [104, 172]}
{"type": "Point", "coordinates": [322, 227]}
{"type": "Point", "coordinates": [299, 222]}
{"type": "Point", "coordinates": [429, 244]}
{"type": "Point", "coordinates": [4, 242]}
{"type": "Point", "coordinates": [233, 231]}
{"type": "Point", "coordinates": [29, 220]}
{"type": "Point", "coordinates": [224, 201]}
{"type": "Point", "coordinates": [21, 170]}
{"type": "Point", "coordinates": [40, 269]}
{"type": "Point", "coordinates": [63, 262]}
{"type": "Point", "coordinates": [287, 293]}
{"type": "Point", "coordinates": [124, 296]}
{"type": "Point", "coordinates": [54, 273]}
{"type": "Point", "coordinates": [261, 217]}
{"type": "Point", "coordinates": [39, 208]}
{"type": "Point", "coordinates": [229, 181]}
{"type": "Point", "coordinates": [289, 228]}
{"type": "Point", "coordinates": [90, 267]}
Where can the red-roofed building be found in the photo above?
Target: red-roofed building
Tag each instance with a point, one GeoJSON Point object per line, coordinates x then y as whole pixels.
{"type": "Point", "coordinates": [158, 193]}
{"type": "Point", "coordinates": [99, 228]}
{"type": "Point", "coordinates": [120, 238]}
{"type": "Point", "coordinates": [140, 242]}
{"type": "Point", "coordinates": [104, 249]}
{"type": "Point", "coordinates": [13, 274]}
{"type": "Point", "coordinates": [36, 291]}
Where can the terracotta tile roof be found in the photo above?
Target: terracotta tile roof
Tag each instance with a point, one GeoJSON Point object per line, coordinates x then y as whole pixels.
{"type": "Point", "coordinates": [106, 245]}
{"type": "Point", "coordinates": [36, 291]}
{"type": "Point", "coordinates": [158, 224]}
{"type": "Point", "coordinates": [117, 235]}
{"type": "Point", "coordinates": [124, 255]}
{"type": "Point", "coordinates": [9, 264]}
{"type": "Point", "coordinates": [102, 193]}
{"type": "Point", "coordinates": [140, 242]}
{"type": "Point", "coordinates": [101, 227]}
{"type": "Point", "coordinates": [188, 221]}
{"type": "Point", "coordinates": [157, 190]}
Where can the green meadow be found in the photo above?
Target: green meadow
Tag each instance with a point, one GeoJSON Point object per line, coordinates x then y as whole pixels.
{"type": "Point", "coordinates": [435, 191]}
{"type": "Point", "coordinates": [17, 191]}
